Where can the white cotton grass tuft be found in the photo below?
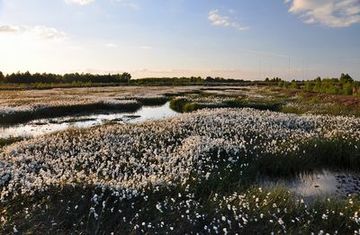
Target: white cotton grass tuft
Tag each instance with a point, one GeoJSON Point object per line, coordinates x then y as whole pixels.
{"type": "Point", "coordinates": [134, 157]}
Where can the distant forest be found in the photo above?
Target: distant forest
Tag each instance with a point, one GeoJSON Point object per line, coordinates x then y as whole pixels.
{"type": "Point", "coordinates": [125, 78]}
{"type": "Point", "coordinates": [49, 78]}
{"type": "Point", "coordinates": [344, 85]}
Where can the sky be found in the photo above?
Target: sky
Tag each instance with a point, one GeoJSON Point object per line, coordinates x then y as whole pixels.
{"type": "Point", "coordinates": [243, 39]}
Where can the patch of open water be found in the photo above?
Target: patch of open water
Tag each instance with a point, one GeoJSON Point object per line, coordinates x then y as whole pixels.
{"type": "Point", "coordinates": [323, 183]}
{"type": "Point", "coordinates": [45, 126]}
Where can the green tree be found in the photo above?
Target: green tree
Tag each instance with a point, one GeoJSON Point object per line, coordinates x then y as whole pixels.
{"type": "Point", "coordinates": [309, 86]}
{"type": "Point", "coordinates": [2, 77]}
{"type": "Point", "coordinates": [126, 77]}
{"type": "Point", "coordinates": [318, 85]}
{"type": "Point", "coordinates": [347, 89]}
{"type": "Point", "coordinates": [294, 85]}
{"type": "Point", "coordinates": [346, 78]}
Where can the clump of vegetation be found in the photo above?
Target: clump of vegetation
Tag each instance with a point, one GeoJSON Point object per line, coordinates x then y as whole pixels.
{"type": "Point", "coordinates": [153, 101]}
{"type": "Point", "coordinates": [185, 105]}
{"type": "Point", "coordinates": [254, 104]}
{"type": "Point", "coordinates": [8, 141]}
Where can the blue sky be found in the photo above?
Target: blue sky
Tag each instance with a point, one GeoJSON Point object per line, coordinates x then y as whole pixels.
{"type": "Point", "coordinates": [248, 39]}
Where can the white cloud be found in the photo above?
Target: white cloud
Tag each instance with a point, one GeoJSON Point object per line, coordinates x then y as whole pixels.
{"type": "Point", "coordinates": [8, 29]}
{"type": "Point", "coordinates": [217, 19]}
{"type": "Point", "coordinates": [111, 45]}
{"type": "Point", "coordinates": [79, 2]}
{"type": "Point", "coordinates": [38, 31]}
{"type": "Point", "coordinates": [332, 13]}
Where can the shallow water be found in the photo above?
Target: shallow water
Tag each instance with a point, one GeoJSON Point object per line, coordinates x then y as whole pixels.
{"type": "Point", "coordinates": [322, 183]}
{"type": "Point", "coordinates": [45, 126]}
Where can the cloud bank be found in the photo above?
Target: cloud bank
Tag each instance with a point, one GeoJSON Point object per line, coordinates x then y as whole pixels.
{"type": "Point", "coordinates": [332, 13]}
{"type": "Point", "coordinates": [38, 31]}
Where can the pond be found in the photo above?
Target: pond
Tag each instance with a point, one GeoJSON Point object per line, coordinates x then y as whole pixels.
{"type": "Point", "coordinates": [45, 126]}
{"type": "Point", "coordinates": [323, 183]}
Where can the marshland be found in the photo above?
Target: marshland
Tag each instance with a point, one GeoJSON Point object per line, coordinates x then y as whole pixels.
{"type": "Point", "coordinates": [179, 159]}
{"type": "Point", "coordinates": [179, 117]}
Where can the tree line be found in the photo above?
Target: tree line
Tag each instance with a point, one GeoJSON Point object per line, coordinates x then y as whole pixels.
{"type": "Point", "coordinates": [46, 78]}
{"type": "Point", "coordinates": [344, 85]}
{"type": "Point", "coordinates": [85, 78]}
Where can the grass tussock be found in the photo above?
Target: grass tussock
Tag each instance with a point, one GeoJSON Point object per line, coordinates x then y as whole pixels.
{"type": "Point", "coordinates": [185, 105]}
{"type": "Point", "coordinates": [153, 101]}
{"type": "Point", "coordinates": [8, 141]}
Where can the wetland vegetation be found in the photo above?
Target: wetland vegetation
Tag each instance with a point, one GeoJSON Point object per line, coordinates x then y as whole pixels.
{"type": "Point", "coordinates": [199, 170]}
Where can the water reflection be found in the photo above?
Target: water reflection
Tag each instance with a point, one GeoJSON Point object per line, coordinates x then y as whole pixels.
{"type": "Point", "coordinates": [322, 183]}
{"type": "Point", "coordinates": [45, 126]}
